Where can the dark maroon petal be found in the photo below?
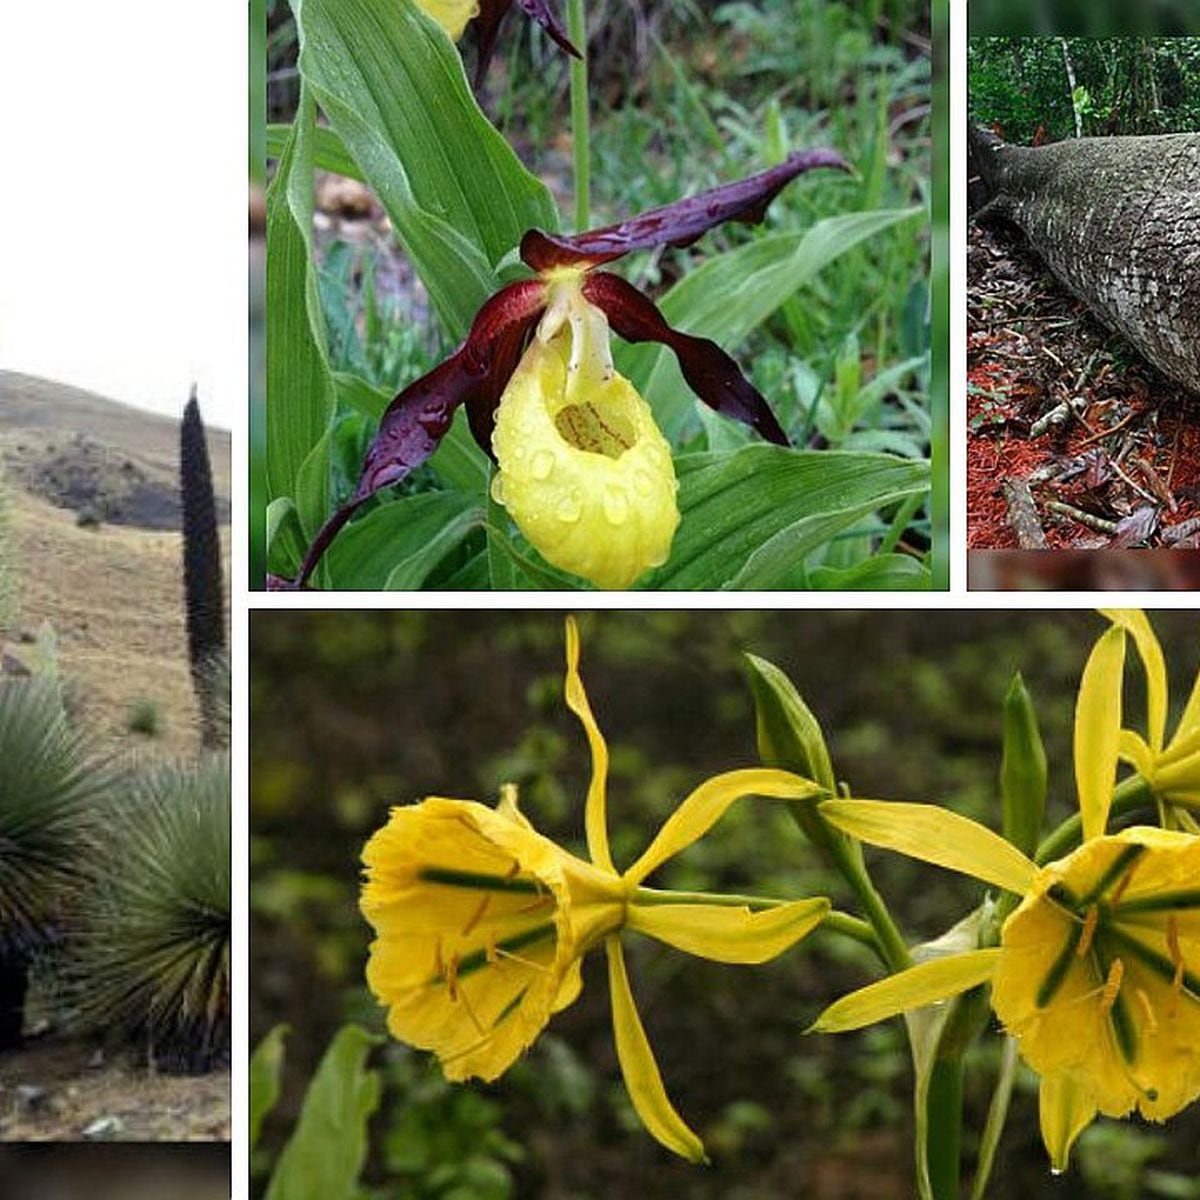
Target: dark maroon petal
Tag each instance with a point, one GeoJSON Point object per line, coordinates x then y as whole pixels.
{"type": "Point", "coordinates": [493, 12]}
{"type": "Point", "coordinates": [709, 371]}
{"type": "Point", "coordinates": [678, 224]}
{"type": "Point", "coordinates": [420, 416]}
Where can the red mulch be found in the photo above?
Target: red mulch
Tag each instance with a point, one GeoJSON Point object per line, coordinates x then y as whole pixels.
{"type": "Point", "coordinates": [1131, 444]}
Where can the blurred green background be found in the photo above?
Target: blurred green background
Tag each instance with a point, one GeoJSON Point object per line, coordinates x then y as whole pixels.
{"type": "Point", "coordinates": [352, 712]}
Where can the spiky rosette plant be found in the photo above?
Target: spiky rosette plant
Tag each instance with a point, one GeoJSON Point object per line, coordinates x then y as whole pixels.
{"type": "Point", "coordinates": [151, 961]}
{"type": "Point", "coordinates": [49, 786]}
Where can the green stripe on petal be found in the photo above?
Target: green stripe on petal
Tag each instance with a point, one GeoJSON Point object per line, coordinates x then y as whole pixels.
{"type": "Point", "coordinates": [926, 983]}
{"type": "Point", "coordinates": [730, 935]}
{"type": "Point", "coordinates": [934, 834]}
{"type": "Point", "coordinates": [1066, 1109]}
{"type": "Point", "coordinates": [642, 1078]}
{"type": "Point", "coordinates": [700, 811]}
{"type": "Point", "coordinates": [1098, 729]}
{"type": "Point", "coordinates": [1134, 621]}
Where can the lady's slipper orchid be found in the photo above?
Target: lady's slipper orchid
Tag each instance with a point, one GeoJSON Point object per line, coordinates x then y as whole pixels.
{"type": "Point", "coordinates": [584, 471]}
{"type": "Point", "coordinates": [1097, 975]}
{"type": "Point", "coordinates": [482, 922]}
{"type": "Point", "coordinates": [1170, 768]}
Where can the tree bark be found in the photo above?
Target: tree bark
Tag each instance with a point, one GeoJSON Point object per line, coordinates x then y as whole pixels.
{"type": "Point", "coordinates": [1117, 220]}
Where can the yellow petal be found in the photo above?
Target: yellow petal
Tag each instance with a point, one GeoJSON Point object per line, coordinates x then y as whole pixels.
{"type": "Point", "coordinates": [934, 834]}
{"type": "Point", "coordinates": [451, 15]}
{"type": "Point", "coordinates": [708, 803]}
{"type": "Point", "coordinates": [1134, 621]}
{"type": "Point", "coordinates": [595, 820]}
{"type": "Point", "coordinates": [642, 1079]}
{"type": "Point", "coordinates": [926, 983]}
{"type": "Point", "coordinates": [1066, 1108]}
{"type": "Point", "coordinates": [1132, 749]}
{"type": "Point", "coordinates": [732, 935]}
{"type": "Point", "coordinates": [1190, 721]}
{"type": "Point", "coordinates": [584, 470]}
{"type": "Point", "coordinates": [1098, 729]}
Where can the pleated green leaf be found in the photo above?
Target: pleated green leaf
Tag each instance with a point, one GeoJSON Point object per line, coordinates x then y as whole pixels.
{"type": "Point", "coordinates": [300, 387]}
{"type": "Point", "coordinates": [750, 518]}
{"type": "Point", "coordinates": [393, 88]}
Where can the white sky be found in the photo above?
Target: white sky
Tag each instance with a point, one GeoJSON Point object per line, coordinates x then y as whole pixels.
{"type": "Point", "coordinates": [123, 199]}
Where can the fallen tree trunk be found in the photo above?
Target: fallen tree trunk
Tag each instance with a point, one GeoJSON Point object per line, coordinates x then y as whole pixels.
{"type": "Point", "coordinates": [1117, 220]}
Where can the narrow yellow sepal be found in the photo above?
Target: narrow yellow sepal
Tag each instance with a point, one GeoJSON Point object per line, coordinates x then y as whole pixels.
{"type": "Point", "coordinates": [730, 935]}
{"type": "Point", "coordinates": [1066, 1108]}
{"type": "Point", "coordinates": [1134, 621]}
{"type": "Point", "coordinates": [642, 1077]}
{"type": "Point", "coordinates": [1098, 729]}
{"type": "Point", "coordinates": [704, 807]}
{"type": "Point", "coordinates": [936, 835]}
{"type": "Point", "coordinates": [595, 818]}
{"type": "Point", "coordinates": [926, 983]}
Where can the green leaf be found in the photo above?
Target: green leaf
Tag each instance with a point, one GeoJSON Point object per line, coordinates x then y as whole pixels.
{"type": "Point", "coordinates": [1022, 770]}
{"type": "Point", "coordinates": [325, 1153]}
{"type": "Point", "coordinates": [402, 540]}
{"type": "Point", "coordinates": [882, 573]}
{"type": "Point", "coordinates": [460, 463]}
{"type": "Point", "coordinates": [286, 542]}
{"type": "Point", "coordinates": [329, 151]}
{"type": "Point", "coordinates": [392, 85]}
{"type": "Point", "coordinates": [733, 293]}
{"type": "Point", "coordinates": [750, 517]}
{"type": "Point", "coordinates": [300, 388]}
{"type": "Point", "coordinates": [266, 1063]}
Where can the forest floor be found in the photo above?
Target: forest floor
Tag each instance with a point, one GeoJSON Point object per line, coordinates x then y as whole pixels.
{"type": "Point", "coordinates": [1074, 442]}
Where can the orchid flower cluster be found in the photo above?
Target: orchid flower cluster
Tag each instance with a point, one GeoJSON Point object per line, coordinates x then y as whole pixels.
{"type": "Point", "coordinates": [1087, 952]}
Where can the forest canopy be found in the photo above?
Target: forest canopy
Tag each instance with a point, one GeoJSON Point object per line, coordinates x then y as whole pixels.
{"type": "Point", "coordinates": [1120, 86]}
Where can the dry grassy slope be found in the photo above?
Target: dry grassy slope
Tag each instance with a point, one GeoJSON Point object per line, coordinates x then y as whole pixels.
{"type": "Point", "coordinates": [114, 594]}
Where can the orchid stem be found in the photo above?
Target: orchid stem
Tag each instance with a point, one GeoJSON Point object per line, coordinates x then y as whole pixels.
{"type": "Point", "coordinates": [840, 922]}
{"type": "Point", "coordinates": [581, 137]}
{"type": "Point", "coordinates": [944, 1108]}
{"type": "Point", "coordinates": [1130, 794]}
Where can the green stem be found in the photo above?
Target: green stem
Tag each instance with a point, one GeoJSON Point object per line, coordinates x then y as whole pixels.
{"type": "Point", "coordinates": [1131, 794]}
{"type": "Point", "coordinates": [944, 1106]}
{"type": "Point", "coordinates": [839, 922]}
{"type": "Point", "coordinates": [846, 858]}
{"type": "Point", "coordinates": [580, 127]}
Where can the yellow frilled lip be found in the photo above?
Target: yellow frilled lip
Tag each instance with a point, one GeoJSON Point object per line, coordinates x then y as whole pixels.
{"type": "Point", "coordinates": [608, 513]}
{"type": "Point", "coordinates": [481, 923]}
{"type": "Point", "coordinates": [1126, 1035]}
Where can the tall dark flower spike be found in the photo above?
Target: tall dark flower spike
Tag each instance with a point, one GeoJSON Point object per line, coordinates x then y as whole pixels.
{"type": "Point", "coordinates": [604, 427]}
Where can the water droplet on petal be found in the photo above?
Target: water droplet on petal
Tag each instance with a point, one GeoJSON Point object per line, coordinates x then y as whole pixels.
{"type": "Point", "coordinates": [569, 507]}
{"type": "Point", "coordinates": [497, 488]}
{"type": "Point", "coordinates": [643, 484]}
{"type": "Point", "coordinates": [542, 464]}
{"type": "Point", "coordinates": [616, 504]}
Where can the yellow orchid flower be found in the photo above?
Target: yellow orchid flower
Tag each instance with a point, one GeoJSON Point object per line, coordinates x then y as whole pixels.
{"type": "Point", "coordinates": [584, 470]}
{"type": "Point", "coordinates": [1097, 975]}
{"type": "Point", "coordinates": [1171, 768]}
{"type": "Point", "coordinates": [482, 922]}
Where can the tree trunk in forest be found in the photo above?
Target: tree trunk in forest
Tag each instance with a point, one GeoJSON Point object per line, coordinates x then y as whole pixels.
{"type": "Point", "coordinates": [1117, 219]}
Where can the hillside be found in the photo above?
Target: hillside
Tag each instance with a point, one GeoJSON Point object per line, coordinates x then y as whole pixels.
{"type": "Point", "coordinates": [112, 589]}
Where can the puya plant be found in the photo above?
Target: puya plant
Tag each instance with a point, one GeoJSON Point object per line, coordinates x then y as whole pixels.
{"type": "Point", "coordinates": [149, 959]}
{"type": "Point", "coordinates": [538, 454]}
{"type": "Point", "coordinates": [1082, 956]}
{"type": "Point", "coordinates": [51, 786]}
